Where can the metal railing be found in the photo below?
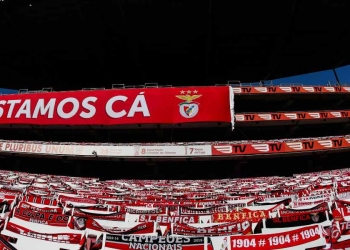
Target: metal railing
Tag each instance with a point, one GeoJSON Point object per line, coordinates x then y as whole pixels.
{"type": "Point", "coordinates": [93, 88]}
{"type": "Point", "coordinates": [177, 143]}
{"type": "Point", "coordinates": [232, 83]}
{"type": "Point", "coordinates": [27, 91]}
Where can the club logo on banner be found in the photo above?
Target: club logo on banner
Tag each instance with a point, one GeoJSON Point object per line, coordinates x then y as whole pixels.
{"type": "Point", "coordinates": [188, 108]}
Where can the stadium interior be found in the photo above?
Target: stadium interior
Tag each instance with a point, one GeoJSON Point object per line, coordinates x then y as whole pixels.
{"type": "Point", "coordinates": [126, 109]}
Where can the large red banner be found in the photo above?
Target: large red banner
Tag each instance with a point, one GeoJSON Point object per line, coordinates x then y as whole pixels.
{"type": "Point", "coordinates": [124, 106]}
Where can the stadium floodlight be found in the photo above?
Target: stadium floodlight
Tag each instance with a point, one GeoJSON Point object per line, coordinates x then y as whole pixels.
{"type": "Point", "coordinates": [118, 86]}
{"type": "Point", "coordinates": [234, 82]}
{"type": "Point", "coordinates": [151, 85]}
{"type": "Point", "coordinates": [23, 91]}
{"type": "Point", "coordinates": [48, 89]}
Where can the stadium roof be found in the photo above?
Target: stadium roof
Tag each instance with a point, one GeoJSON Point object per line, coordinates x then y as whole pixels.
{"type": "Point", "coordinates": [70, 44]}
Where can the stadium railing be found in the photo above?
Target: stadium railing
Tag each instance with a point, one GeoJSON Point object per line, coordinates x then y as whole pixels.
{"type": "Point", "coordinates": [177, 143]}
{"type": "Point", "coordinates": [232, 83]}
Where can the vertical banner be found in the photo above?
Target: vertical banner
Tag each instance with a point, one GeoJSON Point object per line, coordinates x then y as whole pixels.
{"type": "Point", "coordinates": [232, 107]}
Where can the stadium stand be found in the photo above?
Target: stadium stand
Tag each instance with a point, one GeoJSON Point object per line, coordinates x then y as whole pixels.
{"type": "Point", "coordinates": [60, 212]}
{"type": "Point", "coordinates": [59, 209]}
{"type": "Point", "coordinates": [140, 140]}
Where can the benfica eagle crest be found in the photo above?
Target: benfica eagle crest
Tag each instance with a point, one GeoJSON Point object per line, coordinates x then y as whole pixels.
{"type": "Point", "coordinates": [188, 108]}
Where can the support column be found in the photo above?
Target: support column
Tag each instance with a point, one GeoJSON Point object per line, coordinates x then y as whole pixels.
{"type": "Point", "coordinates": [336, 76]}
{"type": "Point", "coordinates": [78, 169]}
{"type": "Point", "coordinates": [310, 165]}
{"type": "Point", "coordinates": [238, 170]}
{"type": "Point", "coordinates": [155, 170]}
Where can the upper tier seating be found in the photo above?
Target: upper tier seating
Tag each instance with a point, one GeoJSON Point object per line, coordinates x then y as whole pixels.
{"type": "Point", "coordinates": [62, 212]}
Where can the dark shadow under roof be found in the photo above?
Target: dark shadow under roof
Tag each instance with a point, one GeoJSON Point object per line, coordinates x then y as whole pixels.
{"type": "Point", "coordinates": [70, 44]}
